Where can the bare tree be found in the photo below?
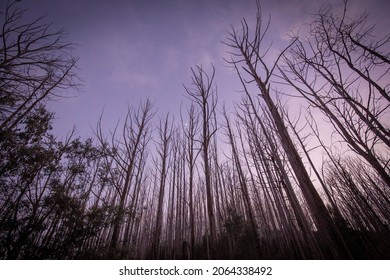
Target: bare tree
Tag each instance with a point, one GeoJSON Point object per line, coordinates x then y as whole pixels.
{"type": "Point", "coordinates": [204, 96]}
{"type": "Point", "coordinates": [35, 65]}
{"type": "Point", "coordinates": [243, 182]}
{"type": "Point", "coordinates": [127, 152]}
{"type": "Point", "coordinates": [165, 133]}
{"type": "Point", "coordinates": [191, 129]}
{"type": "Point", "coordinates": [248, 52]}
{"type": "Point", "coordinates": [341, 71]}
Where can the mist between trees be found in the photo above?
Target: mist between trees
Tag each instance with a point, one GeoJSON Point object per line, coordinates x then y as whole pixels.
{"type": "Point", "coordinates": [160, 187]}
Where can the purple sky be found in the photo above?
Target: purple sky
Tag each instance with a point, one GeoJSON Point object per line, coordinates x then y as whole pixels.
{"type": "Point", "coordinates": [134, 49]}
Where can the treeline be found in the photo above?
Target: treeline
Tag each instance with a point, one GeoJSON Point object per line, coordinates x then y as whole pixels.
{"type": "Point", "coordinates": [259, 181]}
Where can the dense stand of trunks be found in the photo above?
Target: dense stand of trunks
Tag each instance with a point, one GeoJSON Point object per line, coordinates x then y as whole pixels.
{"type": "Point", "coordinates": [261, 181]}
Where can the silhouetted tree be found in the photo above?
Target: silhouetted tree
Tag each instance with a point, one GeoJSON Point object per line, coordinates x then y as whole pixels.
{"type": "Point", "coordinates": [343, 72]}
{"type": "Point", "coordinates": [204, 96]}
{"type": "Point", "coordinates": [35, 65]}
{"type": "Point", "coordinates": [249, 57]}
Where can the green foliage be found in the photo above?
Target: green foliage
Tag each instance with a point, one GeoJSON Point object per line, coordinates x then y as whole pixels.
{"type": "Point", "coordinates": [44, 191]}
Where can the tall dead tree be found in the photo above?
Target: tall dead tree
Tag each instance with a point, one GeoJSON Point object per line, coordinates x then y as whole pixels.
{"type": "Point", "coordinates": [248, 55]}
{"type": "Point", "coordinates": [243, 183]}
{"type": "Point", "coordinates": [341, 70]}
{"type": "Point", "coordinates": [204, 96]}
{"type": "Point", "coordinates": [165, 134]}
{"type": "Point", "coordinates": [191, 129]}
{"type": "Point", "coordinates": [125, 151]}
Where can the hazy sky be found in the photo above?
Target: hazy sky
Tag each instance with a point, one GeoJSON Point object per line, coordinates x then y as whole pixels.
{"type": "Point", "coordinates": [134, 49]}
